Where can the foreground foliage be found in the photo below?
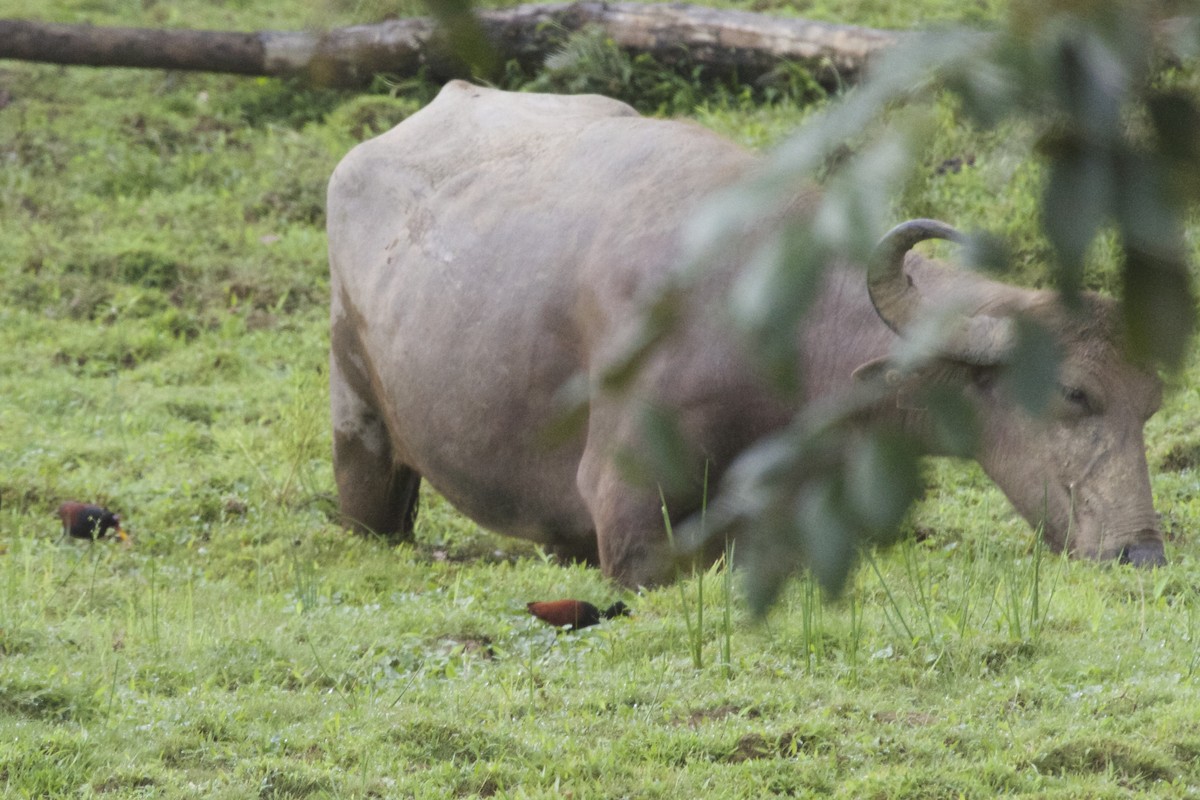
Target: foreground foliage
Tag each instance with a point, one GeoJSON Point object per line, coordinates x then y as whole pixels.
{"type": "Point", "coordinates": [1087, 88]}
{"type": "Point", "coordinates": [163, 351]}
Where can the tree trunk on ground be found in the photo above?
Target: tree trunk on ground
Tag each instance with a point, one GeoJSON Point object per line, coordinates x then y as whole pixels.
{"type": "Point", "coordinates": [725, 41]}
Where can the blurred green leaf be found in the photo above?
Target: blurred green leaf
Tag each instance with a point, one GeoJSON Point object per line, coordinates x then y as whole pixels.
{"type": "Point", "coordinates": [656, 321]}
{"type": "Point", "coordinates": [985, 87]}
{"type": "Point", "coordinates": [663, 455]}
{"type": "Point", "coordinates": [1176, 120]}
{"type": "Point", "coordinates": [883, 478]}
{"type": "Point", "coordinates": [780, 284]}
{"type": "Point", "coordinates": [1148, 213]}
{"type": "Point", "coordinates": [572, 403]}
{"type": "Point", "coordinates": [1032, 373]}
{"type": "Point", "coordinates": [1181, 36]}
{"type": "Point", "coordinates": [465, 36]}
{"type": "Point", "coordinates": [1077, 198]}
{"type": "Point", "coordinates": [986, 251]}
{"type": "Point", "coordinates": [856, 205]}
{"type": "Point", "coordinates": [830, 536]}
{"type": "Point", "coordinates": [1159, 305]}
{"type": "Point", "coordinates": [767, 560]}
{"type": "Point", "coordinates": [1089, 81]}
{"type": "Point", "coordinates": [954, 426]}
{"type": "Point", "coordinates": [1159, 308]}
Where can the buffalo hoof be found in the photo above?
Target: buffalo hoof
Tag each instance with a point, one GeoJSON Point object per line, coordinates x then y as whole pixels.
{"type": "Point", "coordinates": [1144, 555]}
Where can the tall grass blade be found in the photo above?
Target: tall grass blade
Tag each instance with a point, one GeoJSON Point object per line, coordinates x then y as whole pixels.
{"type": "Point", "coordinates": [727, 619]}
{"type": "Point", "coordinates": [894, 606]}
{"type": "Point", "coordinates": [694, 631]}
{"type": "Point", "coordinates": [913, 571]}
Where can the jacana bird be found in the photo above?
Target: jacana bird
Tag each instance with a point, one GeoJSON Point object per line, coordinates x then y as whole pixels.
{"type": "Point", "coordinates": [576, 613]}
{"type": "Point", "coordinates": [86, 521]}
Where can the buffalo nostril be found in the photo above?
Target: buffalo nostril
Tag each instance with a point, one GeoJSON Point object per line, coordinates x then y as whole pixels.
{"type": "Point", "coordinates": [1149, 554]}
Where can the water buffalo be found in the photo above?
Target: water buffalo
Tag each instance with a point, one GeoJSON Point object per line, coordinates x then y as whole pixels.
{"type": "Point", "coordinates": [494, 245]}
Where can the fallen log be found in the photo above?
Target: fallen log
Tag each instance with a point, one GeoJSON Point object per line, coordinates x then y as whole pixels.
{"type": "Point", "coordinates": [723, 40]}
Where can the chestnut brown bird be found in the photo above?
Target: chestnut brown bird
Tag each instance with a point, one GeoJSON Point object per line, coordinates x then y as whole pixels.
{"type": "Point", "coordinates": [85, 521]}
{"type": "Point", "coordinates": [576, 613]}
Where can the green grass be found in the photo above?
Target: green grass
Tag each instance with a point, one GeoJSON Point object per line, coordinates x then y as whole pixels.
{"type": "Point", "coordinates": [163, 350]}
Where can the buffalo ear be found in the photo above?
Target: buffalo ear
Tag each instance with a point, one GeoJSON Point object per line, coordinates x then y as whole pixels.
{"type": "Point", "coordinates": [879, 370]}
{"type": "Point", "coordinates": [883, 375]}
{"type": "Point", "coordinates": [911, 387]}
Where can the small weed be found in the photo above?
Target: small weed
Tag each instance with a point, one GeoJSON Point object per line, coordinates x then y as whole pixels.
{"type": "Point", "coordinates": [1026, 599]}
{"type": "Point", "coordinates": [893, 611]}
{"type": "Point", "coordinates": [723, 567]}
{"type": "Point", "coordinates": [695, 629]}
{"type": "Point", "coordinates": [726, 568]}
{"type": "Point", "coordinates": [920, 582]}
{"type": "Point", "coordinates": [854, 612]}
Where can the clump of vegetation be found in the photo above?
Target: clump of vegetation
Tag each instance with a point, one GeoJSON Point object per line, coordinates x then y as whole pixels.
{"type": "Point", "coordinates": [268, 101]}
{"type": "Point", "coordinates": [370, 115]}
{"type": "Point", "coordinates": [590, 62]}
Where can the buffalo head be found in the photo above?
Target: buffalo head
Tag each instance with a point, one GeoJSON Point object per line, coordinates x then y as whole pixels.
{"type": "Point", "coordinates": [1078, 469]}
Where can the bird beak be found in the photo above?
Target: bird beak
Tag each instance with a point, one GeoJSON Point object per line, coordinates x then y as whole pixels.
{"type": "Point", "coordinates": [121, 534]}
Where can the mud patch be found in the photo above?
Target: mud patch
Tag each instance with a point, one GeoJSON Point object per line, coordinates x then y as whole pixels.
{"type": "Point", "coordinates": [1001, 654]}
{"type": "Point", "coordinates": [467, 645]}
{"type": "Point", "coordinates": [702, 715]}
{"type": "Point", "coordinates": [1101, 756]}
{"type": "Point", "coordinates": [912, 719]}
{"type": "Point", "coordinates": [1181, 456]}
{"type": "Point", "coordinates": [754, 746]}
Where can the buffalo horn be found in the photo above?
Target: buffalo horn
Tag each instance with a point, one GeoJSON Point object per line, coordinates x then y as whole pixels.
{"type": "Point", "coordinates": [980, 339]}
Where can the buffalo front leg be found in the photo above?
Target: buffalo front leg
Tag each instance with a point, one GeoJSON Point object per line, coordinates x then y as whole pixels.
{"type": "Point", "coordinates": [630, 535]}
{"type": "Point", "coordinates": [375, 494]}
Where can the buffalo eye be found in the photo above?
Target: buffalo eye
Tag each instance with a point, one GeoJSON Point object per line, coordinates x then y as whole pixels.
{"type": "Point", "coordinates": [1078, 398]}
{"type": "Point", "coordinates": [983, 378]}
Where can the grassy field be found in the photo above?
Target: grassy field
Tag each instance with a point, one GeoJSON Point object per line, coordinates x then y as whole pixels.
{"type": "Point", "coordinates": [163, 349]}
